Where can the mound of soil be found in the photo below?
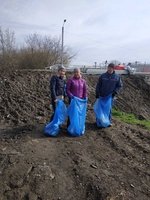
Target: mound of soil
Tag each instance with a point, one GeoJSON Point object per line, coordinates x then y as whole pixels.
{"type": "Point", "coordinates": [135, 97]}
{"type": "Point", "coordinates": [104, 164]}
{"type": "Point", "coordinates": [25, 97]}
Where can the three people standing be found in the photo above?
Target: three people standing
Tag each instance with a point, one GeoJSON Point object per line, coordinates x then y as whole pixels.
{"type": "Point", "coordinates": [109, 83]}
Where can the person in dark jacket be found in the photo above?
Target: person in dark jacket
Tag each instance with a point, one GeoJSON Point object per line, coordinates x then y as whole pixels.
{"type": "Point", "coordinates": [109, 83]}
{"type": "Point", "coordinates": [57, 87]}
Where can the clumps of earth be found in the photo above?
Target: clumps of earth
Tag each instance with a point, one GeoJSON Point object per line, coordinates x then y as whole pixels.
{"type": "Point", "coordinates": [104, 164]}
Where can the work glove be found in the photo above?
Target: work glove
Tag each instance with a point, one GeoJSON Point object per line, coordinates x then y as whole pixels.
{"type": "Point", "coordinates": [66, 101]}
{"type": "Point", "coordinates": [114, 94]}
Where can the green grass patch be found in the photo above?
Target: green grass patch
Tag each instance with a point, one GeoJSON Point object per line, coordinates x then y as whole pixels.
{"type": "Point", "coordinates": [131, 119]}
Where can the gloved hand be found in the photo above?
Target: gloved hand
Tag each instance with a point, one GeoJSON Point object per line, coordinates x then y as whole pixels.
{"type": "Point", "coordinates": [114, 94]}
{"type": "Point", "coordinates": [66, 101]}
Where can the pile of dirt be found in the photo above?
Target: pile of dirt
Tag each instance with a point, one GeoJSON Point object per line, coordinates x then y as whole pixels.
{"type": "Point", "coordinates": [135, 96]}
{"type": "Point", "coordinates": [25, 97]}
{"type": "Point", "coordinates": [104, 164]}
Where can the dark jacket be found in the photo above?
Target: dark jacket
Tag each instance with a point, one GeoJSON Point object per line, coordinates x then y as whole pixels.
{"type": "Point", "coordinates": [108, 84]}
{"type": "Point", "coordinates": [57, 86]}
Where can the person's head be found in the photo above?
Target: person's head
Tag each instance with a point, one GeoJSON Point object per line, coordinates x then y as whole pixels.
{"type": "Point", "coordinates": [111, 68]}
{"type": "Point", "coordinates": [77, 73]}
{"type": "Point", "coordinates": [61, 71]}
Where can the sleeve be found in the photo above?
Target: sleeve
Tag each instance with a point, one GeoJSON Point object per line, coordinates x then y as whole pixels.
{"type": "Point", "coordinates": [119, 85]}
{"type": "Point", "coordinates": [65, 92]}
{"type": "Point", "coordinates": [52, 87]}
{"type": "Point", "coordinates": [98, 85]}
{"type": "Point", "coordinates": [68, 89]}
{"type": "Point", "coordinates": [84, 90]}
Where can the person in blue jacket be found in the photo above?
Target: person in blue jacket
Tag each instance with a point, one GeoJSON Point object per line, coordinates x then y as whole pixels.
{"type": "Point", "coordinates": [58, 87]}
{"type": "Point", "coordinates": [109, 83]}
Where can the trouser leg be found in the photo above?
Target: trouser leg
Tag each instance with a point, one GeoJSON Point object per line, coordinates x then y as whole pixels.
{"type": "Point", "coordinates": [110, 114]}
{"type": "Point", "coordinates": [54, 108]}
{"type": "Point", "coordinates": [68, 120]}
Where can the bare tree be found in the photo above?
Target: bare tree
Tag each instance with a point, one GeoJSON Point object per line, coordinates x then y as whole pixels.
{"type": "Point", "coordinates": [38, 51]}
{"type": "Point", "coordinates": [44, 51]}
{"type": "Point", "coordinates": [7, 48]}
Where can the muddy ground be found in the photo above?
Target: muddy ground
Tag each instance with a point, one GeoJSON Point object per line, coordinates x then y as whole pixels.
{"type": "Point", "coordinates": [104, 164]}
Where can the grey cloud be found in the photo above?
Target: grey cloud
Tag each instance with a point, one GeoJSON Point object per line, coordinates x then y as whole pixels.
{"type": "Point", "coordinates": [99, 29]}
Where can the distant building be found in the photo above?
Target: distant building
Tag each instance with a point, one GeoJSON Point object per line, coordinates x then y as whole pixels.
{"type": "Point", "coordinates": [146, 68]}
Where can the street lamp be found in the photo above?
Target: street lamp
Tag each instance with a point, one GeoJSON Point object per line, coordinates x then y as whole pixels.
{"type": "Point", "coordinates": [62, 44]}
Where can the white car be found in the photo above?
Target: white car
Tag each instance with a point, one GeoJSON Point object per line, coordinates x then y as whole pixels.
{"type": "Point", "coordinates": [53, 67]}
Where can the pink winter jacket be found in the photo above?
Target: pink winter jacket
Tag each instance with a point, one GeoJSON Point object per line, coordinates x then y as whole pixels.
{"type": "Point", "coordinates": [76, 87]}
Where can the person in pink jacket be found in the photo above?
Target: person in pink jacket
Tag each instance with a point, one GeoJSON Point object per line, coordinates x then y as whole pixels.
{"type": "Point", "coordinates": [76, 86]}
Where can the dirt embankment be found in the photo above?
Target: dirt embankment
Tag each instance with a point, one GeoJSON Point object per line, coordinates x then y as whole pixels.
{"type": "Point", "coordinates": [25, 96]}
{"type": "Point", "coordinates": [104, 164]}
{"type": "Point", "coordinates": [135, 97]}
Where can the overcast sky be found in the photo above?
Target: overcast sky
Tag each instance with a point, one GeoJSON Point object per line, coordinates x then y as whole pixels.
{"type": "Point", "coordinates": [96, 30]}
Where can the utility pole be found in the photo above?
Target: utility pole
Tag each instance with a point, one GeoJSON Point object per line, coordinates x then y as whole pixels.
{"type": "Point", "coordinates": [62, 42]}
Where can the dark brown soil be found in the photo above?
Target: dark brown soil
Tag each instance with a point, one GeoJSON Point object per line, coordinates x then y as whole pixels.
{"type": "Point", "coordinates": [104, 164]}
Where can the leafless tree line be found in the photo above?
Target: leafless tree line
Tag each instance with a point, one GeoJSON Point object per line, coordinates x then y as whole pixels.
{"type": "Point", "coordinates": [38, 51]}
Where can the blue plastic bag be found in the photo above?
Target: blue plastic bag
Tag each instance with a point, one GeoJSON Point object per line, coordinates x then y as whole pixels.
{"type": "Point", "coordinates": [77, 116]}
{"type": "Point", "coordinates": [60, 115]}
{"type": "Point", "coordinates": [102, 109]}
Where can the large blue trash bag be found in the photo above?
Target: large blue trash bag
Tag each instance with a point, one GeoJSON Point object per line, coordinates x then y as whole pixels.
{"type": "Point", "coordinates": [60, 115]}
{"type": "Point", "coordinates": [102, 109]}
{"type": "Point", "coordinates": [77, 116]}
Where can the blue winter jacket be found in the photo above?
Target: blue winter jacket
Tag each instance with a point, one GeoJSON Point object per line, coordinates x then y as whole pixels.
{"type": "Point", "coordinates": [108, 84]}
